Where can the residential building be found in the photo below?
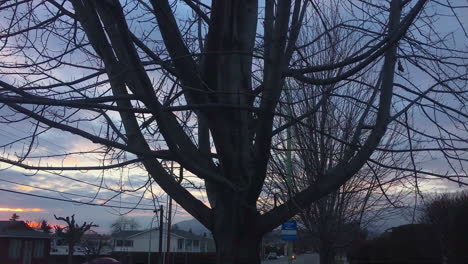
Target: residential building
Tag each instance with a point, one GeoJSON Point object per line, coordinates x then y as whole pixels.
{"type": "Point", "coordinates": [20, 244]}
{"type": "Point", "coordinates": [96, 244]}
{"type": "Point", "coordinates": [90, 245]}
{"type": "Point", "coordinates": [59, 247]}
{"type": "Point", "coordinates": [148, 241]}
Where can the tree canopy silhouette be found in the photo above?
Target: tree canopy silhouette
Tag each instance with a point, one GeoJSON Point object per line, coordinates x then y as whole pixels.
{"type": "Point", "coordinates": [72, 233]}
{"type": "Point", "coordinates": [201, 83]}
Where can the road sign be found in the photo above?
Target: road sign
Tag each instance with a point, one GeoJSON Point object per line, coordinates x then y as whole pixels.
{"type": "Point", "coordinates": [289, 230]}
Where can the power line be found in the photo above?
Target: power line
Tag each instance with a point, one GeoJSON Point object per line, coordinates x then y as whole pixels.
{"type": "Point", "coordinates": [14, 136]}
{"type": "Point", "coordinates": [50, 150]}
{"type": "Point", "coordinates": [77, 202]}
{"type": "Point", "coordinates": [68, 193]}
{"type": "Point", "coordinates": [70, 178]}
{"type": "Point", "coordinates": [96, 185]}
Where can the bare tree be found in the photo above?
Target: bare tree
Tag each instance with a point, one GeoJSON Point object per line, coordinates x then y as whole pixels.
{"type": "Point", "coordinates": [95, 244]}
{"type": "Point", "coordinates": [72, 233]}
{"type": "Point", "coordinates": [303, 153]}
{"type": "Point", "coordinates": [446, 214]}
{"type": "Point", "coordinates": [146, 82]}
{"type": "Point", "coordinates": [124, 224]}
{"type": "Point", "coordinates": [340, 218]}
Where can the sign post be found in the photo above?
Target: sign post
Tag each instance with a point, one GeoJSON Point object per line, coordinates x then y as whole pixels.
{"type": "Point", "coordinates": [289, 234]}
{"type": "Point", "coordinates": [289, 228]}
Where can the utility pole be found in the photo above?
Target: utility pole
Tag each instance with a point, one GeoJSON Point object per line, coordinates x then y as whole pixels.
{"type": "Point", "coordinates": [149, 244]}
{"type": "Point", "coordinates": [289, 166]}
{"type": "Point", "coordinates": [161, 210]}
{"type": "Point", "coordinates": [168, 249]}
{"type": "Point", "coordinates": [169, 215]}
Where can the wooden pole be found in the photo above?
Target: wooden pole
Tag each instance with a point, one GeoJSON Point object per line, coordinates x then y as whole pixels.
{"type": "Point", "coordinates": [169, 214]}
{"type": "Point", "coordinates": [161, 215]}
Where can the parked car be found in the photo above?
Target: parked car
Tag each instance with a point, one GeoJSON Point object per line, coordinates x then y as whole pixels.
{"type": "Point", "coordinates": [103, 261]}
{"type": "Point", "coordinates": [272, 255]}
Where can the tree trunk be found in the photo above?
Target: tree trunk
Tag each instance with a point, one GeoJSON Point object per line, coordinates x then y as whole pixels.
{"type": "Point", "coordinates": [70, 254]}
{"type": "Point", "coordinates": [231, 249]}
{"type": "Point", "coordinates": [236, 235]}
{"type": "Point", "coordinates": [327, 256]}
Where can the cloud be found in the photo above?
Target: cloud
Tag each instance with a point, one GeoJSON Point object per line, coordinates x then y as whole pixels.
{"type": "Point", "coordinates": [23, 188]}
{"type": "Point", "coordinates": [7, 209]}
{"type": "Point", "coordinates": [52, 186]}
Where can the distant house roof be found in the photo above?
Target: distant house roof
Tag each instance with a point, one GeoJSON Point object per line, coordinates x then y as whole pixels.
{"type": "Point", "coordinates": [19, 229]}
{"type": "Point", "coordinates": [125, 234]}
{"type": "Point", "coordinates": [186, 234]}
{"type": "Point", "coordinates": [176, 232]}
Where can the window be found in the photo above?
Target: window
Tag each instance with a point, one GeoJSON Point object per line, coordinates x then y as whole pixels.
{"type": "Point", "coordinates": [14, 251]}
{"type": "Point", "coordinates": [61, 242]}
{"type": "Point", "coordinates": [38, 249]}
{"type": "Point", "coordinates": [180, 243]}
{"type": "Point", "coordinates": [124, 243]}
{"type": "Point", "coordinates": [196, 244]}
{"type": "Point", "coordinates": [202, 246]}
{"type": "Point", "coordinates": [188, 245]}
{"type": "Point", "coordinates": [128, 243]}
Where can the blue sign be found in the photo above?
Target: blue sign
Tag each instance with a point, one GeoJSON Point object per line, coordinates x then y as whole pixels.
{"type": "Point", "coordinates": [289, 230]}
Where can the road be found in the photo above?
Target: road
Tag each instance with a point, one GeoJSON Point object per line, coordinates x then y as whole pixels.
{"type": "Point", "coordinates": [301, 259]}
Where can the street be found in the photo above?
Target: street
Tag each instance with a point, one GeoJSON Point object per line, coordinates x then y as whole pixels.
{"type": "Point", "coordinates": [301, 259]}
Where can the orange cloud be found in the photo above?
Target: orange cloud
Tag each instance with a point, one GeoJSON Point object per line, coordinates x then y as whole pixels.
{"type": "Point", "coordinates": [34, 224]}
{"type": "Point", "coordinates": [24, 188]}
{"type": "Point", "coordinates": [37, 225]}
{"type": "Point", "coordinates": [6, 209]}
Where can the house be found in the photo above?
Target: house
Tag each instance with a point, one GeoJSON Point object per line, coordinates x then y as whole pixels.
{"type": "Point", "coordinates": [59, 247]}
{"type": "Point", "coordinates": [96, 244]}
{"type": "Point", "coordinates": [148, 241]}
{"type": "Point", "coordinates": [20, 244]}
{"type": "Point", "coordinates": [91, 245]}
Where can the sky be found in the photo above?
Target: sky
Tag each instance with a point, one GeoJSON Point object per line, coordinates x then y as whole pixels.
{"type": "Point", "coordinates": [93, 187]}
{"type": "Point", "coordinates": [83, 186]}
{"type": "Point", "coordinates": [15, 187]}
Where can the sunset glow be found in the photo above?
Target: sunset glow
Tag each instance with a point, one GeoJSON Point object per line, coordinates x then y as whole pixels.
{"type": "Point", "coordinates": [6, 209]}
{"type": "Point", "coordinates": [33, 224]}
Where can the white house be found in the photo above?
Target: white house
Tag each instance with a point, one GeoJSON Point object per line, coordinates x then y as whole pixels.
{"type": "Point", "coordinates": [148, 241]}
{"type": "Point", "coordinates": [59, 247]}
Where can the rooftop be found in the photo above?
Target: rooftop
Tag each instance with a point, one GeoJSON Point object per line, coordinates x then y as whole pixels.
{"type": "Point", "coordinates": [19, 229]}
{"type": "Point", "coordinates": [177, 232]}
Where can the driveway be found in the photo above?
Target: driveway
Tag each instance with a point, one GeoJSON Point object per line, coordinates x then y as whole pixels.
{"type": "Point", "coordinates": [301, 259]}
